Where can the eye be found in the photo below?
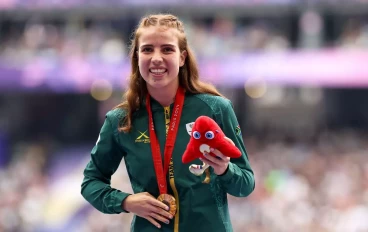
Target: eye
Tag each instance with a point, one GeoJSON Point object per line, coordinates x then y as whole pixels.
{"type": "Point", "coordinates": [196, 134]}
{"type": "Point", "coordinates": [167, 49]}
{"type": "Point", "coordinates": [146, 49]}
{"type": "Point", "coordinates": [209, 135]}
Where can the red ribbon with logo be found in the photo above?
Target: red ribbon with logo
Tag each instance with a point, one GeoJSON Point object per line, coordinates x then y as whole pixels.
{"type": "Point", "coordinates": [161, 170]}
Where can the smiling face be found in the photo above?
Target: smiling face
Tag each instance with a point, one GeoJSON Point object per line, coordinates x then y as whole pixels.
{"type": "Point", "coordinates": [159, 58]}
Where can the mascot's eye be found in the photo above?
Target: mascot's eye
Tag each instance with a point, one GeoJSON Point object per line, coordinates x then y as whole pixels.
{"type": "Point", "coordinates": [209, 135]}
{"type": "Point", "coordinates": [196, 134]}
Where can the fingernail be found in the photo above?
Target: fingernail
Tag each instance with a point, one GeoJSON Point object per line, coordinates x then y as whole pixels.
{"type": "Point", "coordinates": [212, 149]}
{"type": "Point", "coordinates": [158, 226]}
{"type": "Point", "coordinates": [167, 208]}
{"type": "Point", "coordinates": [167, 222]}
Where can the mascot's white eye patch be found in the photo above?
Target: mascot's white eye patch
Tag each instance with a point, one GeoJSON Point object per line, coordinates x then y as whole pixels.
{"type": "Point", "coordinates": [209, 135]}
{"type": "Point", "coordinates": [196, 134]}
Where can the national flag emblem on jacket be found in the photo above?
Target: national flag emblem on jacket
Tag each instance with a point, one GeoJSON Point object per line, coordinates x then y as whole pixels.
{"type": "Point", "coordinates": [238, 130]}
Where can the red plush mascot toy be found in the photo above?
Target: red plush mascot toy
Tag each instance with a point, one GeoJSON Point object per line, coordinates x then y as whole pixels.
{"type": "Point", "coordinates": [206, 134]}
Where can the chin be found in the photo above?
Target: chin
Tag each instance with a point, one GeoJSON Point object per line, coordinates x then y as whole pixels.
{"type": "Point", "coordinates": [157, 84]}
{"type": "Point", "coordinates": [160, 83]}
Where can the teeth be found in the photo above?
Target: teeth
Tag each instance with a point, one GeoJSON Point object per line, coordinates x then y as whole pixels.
{"type": "Point", "coordinates": [158, 70]}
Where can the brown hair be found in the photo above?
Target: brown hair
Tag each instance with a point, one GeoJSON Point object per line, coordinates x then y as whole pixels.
{"type": "Point", "coordinates": [188, 73]}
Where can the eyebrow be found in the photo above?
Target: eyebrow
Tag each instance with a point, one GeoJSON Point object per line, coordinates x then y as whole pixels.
{"type": "Point", "coordinates": [163, 45]}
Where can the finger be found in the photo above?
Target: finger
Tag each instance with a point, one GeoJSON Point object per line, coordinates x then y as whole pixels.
{"type": "Point", "coordinates": [214, 162]}
{"type": "Point", "coordinates": [159, 204]}
{"type": "Point", "coordinates": [159, 217]}
{"type": "Point", "coordinates": [212, 159]}
{"type": "Point", "coordinates": [209, 162]}
{"type": "Point", "coordinates": [153, 221]}
{"type": "Point", "coordinates": [162, 212]}
{"type": "Point", "coordinates": [228, 139]}
{"type": "Point", "coordinates": [218, 153]}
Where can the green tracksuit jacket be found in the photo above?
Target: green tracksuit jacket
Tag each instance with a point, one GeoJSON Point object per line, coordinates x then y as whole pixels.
{"type": "Point", "coordinates": [201, 207]}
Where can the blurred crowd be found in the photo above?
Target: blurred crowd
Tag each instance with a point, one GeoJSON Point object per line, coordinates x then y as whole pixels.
{"type": "Point", "coordinates": [354, 34]}
{"type": "Point", "coordinates": [58, 4]}
{"type": "Point", "coordinates": [76, 53]}
{"type": "Point", "coordinates": [108, 41]}
{"type": "Point", "coordinates": [24, 189]}
{"type": "Point", "coordinates": [320, 187]}
{"type": "Point", "coordinates": [315, 187]}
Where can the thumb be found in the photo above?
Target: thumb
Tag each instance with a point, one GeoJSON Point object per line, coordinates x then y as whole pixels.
{"type": "Point", "coordinates": [228, 139]}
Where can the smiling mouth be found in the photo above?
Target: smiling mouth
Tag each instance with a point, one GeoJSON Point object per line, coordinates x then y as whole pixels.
{"type": "Point", "coordinates": [157, 72]}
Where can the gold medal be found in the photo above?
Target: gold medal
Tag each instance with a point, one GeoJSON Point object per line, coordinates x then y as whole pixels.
{"type": "Point", "coordinates": [168, 200]}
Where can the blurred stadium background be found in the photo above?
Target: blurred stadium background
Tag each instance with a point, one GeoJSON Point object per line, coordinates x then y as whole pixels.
{"type": "Point", "coordinates": [296, 71]}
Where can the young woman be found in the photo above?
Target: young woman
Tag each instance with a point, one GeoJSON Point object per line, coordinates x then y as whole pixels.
{"type": "Point", "coordinates": [150, 130]}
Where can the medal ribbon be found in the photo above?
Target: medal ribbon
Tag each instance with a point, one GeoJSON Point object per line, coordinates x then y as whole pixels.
{"type": "Point", "coordinates": [161, 170]}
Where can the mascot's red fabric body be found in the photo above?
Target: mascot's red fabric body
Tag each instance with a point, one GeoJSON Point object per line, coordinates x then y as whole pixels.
{"type": "Point", "coordinates": [207, 134]}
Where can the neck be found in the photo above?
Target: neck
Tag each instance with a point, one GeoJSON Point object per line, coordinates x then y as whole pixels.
{"type": "Point", "coordinates": [164, 97]}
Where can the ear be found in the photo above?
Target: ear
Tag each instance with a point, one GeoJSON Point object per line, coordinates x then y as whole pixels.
{"type": "Point", "coordinates": [183, 56]}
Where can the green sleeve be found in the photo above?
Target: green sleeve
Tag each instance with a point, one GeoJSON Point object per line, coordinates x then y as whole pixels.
{"type": "Point", "coordinates": [105, 159]}
{"type": "Point", "coordinates": [239, 177]}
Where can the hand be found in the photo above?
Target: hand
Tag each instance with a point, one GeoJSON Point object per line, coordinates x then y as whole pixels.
{"type": "Point", "coordinates": [146, 206]}
{"type": "Point", "coordinates": [219, 163]}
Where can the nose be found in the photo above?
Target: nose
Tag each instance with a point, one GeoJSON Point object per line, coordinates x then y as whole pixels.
{"type": "Point", "coordinates": [156, 57]}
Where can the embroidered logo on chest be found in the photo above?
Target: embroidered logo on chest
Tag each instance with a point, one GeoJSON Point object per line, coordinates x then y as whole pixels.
{"type": "Point", "coordinates": [142, 138]}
